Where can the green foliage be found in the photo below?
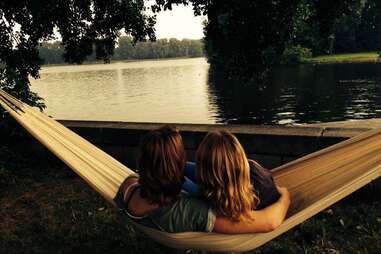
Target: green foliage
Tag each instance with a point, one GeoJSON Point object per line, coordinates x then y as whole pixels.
{"type": "Point", "coordinates": [85, 26]}
{"type": "Point", "coordinates": [346, 58]}
{"type": "Point", "coordinates": [326, 13]}
{"type": "Point", "coordinates": [51, 53]}
{"type": "Point", "coordinates": [338, 27]}
{"type": "Point", "coordinates": [326, 26]}
{"type": "Point", "coordinates": [295, 55]}
{"type": "Point", "coordinates": [162, 48]}
{"type": "Point", "coordinates": [245, 39]}
{"type": "Point", "coordinates": [305, 29]}
{"type": "Point", "coordinates": [369, 31]}
{"type": "Point", "coordinates": [346, 29]}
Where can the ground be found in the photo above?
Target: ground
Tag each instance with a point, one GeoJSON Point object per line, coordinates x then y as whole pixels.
{"type": "Point", "coordinates": [45, 208]}
{"type": "Point", "coordinates": [346, 58]}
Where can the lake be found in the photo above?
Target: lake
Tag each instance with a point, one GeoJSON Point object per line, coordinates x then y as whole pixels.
{"type": "Point", "coordinates": [183, 91]}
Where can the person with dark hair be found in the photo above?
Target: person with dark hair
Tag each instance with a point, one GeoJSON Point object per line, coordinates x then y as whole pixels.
{"type": "Point", "coordinates": [160, 164]}
{"type": "Point", "coordinates": [154, 198]}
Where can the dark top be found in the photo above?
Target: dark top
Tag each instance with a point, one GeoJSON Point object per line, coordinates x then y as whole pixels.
{"type": "Point", "coordinates": [264, 185]}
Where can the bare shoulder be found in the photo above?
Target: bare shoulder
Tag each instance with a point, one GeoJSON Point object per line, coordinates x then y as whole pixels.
{"type": "Point", "coordinates": [128, 182]}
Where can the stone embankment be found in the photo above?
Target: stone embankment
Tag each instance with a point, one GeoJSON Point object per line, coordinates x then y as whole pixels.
{"type": "Point", "coordinates": [270, 145]}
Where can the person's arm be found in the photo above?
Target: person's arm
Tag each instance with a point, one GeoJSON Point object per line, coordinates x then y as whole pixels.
{"type": "Point", "coordinates": [120, 195]}
{"type": "Point", "coordinates": [263, 221]}
{"type": "Point", "coordinates": [256, 164]}
{"type": "Point", "coordinates": [126, 183]}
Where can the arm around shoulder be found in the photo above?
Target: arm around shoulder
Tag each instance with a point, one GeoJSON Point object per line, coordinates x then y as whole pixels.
{"type": "Point", "coordinates": [263, 221]}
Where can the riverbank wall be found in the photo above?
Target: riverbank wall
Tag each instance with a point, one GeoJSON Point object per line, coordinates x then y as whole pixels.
{"type": "Point", "coordinates": [272, 146]}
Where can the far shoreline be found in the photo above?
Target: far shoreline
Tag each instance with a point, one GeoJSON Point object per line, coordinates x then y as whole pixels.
{"type": "Point", "coordinates": [350, 58]}
{"type": "Point", "coordinates": [121, 61]}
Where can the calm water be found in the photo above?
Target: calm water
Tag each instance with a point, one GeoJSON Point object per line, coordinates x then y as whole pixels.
{"type": "Point", "coordinates": [184, 91]}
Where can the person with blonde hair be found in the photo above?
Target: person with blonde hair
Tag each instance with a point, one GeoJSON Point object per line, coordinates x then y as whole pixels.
{"type": "Point", "coordinates": [154, 198]}
{"type": "Point", "coordinates": [234, 185]}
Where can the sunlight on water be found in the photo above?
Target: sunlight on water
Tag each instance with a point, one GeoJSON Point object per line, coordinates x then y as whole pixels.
{"type": "Point", "coordinates": [145, 91]}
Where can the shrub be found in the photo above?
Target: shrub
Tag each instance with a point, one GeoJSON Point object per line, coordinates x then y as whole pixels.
{"type": "Point", "coordinates": [295, 55]}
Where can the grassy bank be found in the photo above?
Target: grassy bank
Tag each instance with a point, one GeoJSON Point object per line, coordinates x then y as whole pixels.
{"type": "Point", "coordinates": [345, 58]}
{"type": "Point", "coordinates": [45, 208]}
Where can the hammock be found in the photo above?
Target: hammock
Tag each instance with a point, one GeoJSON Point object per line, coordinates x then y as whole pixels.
{"type": "Point", "coordinates": [315, 181]}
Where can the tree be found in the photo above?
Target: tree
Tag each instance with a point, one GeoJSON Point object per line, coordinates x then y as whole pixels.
{"type": "Point", "coordinates": [346, 33]}
{"type": "Point", "coordinates": [246, 38]}
{"type": "Point", "coordinates": [327, 13]}
{"type": "Point", "coordinates": [85, 26]}
{"type": "Point", "coordinates": [369, 32]}
{"type": "Point", "coordinates": [353, 26]}
{"type": "Point", "coordinates": [305, 31]}
{"type": "Point", "coordinates": [326, 26]}
{"type": "Point", "coordinates": [51, 53]}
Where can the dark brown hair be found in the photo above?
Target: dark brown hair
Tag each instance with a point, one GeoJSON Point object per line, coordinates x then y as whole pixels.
{"type": "Point", "coordinates": [161, 165]}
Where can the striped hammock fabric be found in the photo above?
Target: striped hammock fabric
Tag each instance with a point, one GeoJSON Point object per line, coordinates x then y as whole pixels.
{"type": "Point", "coordinates": [315, 181]}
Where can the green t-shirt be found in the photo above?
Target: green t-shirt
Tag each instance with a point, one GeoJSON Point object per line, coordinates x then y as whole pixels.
{"type": "Point", "coordinates": [182, 215]}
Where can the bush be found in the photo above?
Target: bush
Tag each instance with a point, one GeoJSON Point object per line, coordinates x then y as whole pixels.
{"type": "Point", "coordinates": [295, 55]}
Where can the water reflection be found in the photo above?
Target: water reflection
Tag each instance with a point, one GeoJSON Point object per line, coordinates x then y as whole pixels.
{"type": "Point", "coordinates": [186, 91]}
{"type": "Point", "coordinates": [147, 91]}
{"type": "Point", "coordinates": [302, 94]}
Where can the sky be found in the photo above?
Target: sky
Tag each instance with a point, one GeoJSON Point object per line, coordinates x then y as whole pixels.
{"type": "Point", "coordinates": [179, 23]}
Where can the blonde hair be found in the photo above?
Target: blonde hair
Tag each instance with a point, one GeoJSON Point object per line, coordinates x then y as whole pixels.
{"type": "Point", "coordinates": [223, 174]}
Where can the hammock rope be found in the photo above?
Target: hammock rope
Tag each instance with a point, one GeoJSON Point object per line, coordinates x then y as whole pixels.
{"type": "Point", "coordinates": [315, 181]}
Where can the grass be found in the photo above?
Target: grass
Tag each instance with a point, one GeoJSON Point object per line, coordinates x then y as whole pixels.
{"type": "Point", "coordinates": [45, 208]}
{"type": "Point", "coordinates": [345, 58]}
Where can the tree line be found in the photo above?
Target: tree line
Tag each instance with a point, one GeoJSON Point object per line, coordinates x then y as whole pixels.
{"type": "Point", "coordinates": [52, 52]}
{"type": "Point", "coordinates": [85, 26]}
{"type": "Point", "coordinates": [356, 29]}
{"type": "Point", "coordinates": [243, 39]}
